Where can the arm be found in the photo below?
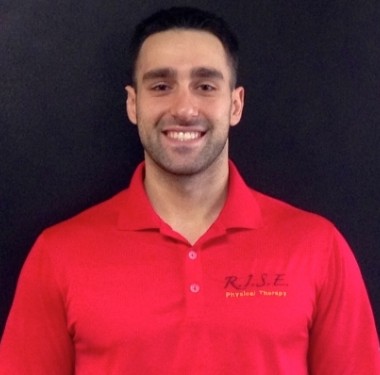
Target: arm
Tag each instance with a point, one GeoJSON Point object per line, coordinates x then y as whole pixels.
{"type": "Point", "coordinates": [343, 338]}
{"type": "Point", "coordinates": [36, 340]}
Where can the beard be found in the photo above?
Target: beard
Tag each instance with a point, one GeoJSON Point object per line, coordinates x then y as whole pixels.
{"type": "Point", "coordinates": [183, 160]}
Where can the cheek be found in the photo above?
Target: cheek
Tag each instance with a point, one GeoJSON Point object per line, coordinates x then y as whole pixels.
{"type": "Point", "coordinates": [147, 121]}
{"type": "Point", "coordinates": [149, 110]}
{"type": "Point", "coordinates": [219, 111]}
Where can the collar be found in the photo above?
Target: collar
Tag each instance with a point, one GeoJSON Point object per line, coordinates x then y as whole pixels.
{"type": "Point", "coordinates": [241, 209]}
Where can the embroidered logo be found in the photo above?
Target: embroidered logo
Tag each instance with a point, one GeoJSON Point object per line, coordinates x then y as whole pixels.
{"type": "Point", "coordinates": [261, 285]}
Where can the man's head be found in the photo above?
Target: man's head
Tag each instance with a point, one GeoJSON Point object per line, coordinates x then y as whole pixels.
{"type": "Point", "coordinates": [185, 18]}
{"type": "Point", "coordinates": [184, 99]}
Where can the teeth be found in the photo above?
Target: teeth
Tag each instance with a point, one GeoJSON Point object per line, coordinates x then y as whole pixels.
{"type": "Point", "coordinates": [183, 136]}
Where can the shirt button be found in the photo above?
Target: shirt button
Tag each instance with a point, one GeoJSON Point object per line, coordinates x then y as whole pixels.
{"type": "Point", "coordinates": [193, 255]}
{"type": "Point", "coordinates": [195, 288]}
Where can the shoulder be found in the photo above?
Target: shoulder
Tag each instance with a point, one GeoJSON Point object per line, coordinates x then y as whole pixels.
{"type": "Point", "coordinates": [299, 227]}
{"type": "Point", "coordinates": [276, 211]}
{"type": "Point", "coordinates": [101, 217]}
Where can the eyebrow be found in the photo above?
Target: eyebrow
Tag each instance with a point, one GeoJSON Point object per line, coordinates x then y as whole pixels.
{"type": "Point", "coordinates": [201, 72]}
{"type": "Point", "coordinates": [204, 72]}
{"type": "Point", "coordinates": [159, 73]}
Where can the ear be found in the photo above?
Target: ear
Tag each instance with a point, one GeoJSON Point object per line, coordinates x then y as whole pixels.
{"type": "Point", "coordinates": [237, 105]}
{"type": "Point", "coordinates": [131, 104]}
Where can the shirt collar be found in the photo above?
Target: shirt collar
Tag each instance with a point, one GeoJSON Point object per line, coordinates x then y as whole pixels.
{"type": "Point", "coordinates": [241, 209]}
{"type": "Point", "coordinates": [139, 214]}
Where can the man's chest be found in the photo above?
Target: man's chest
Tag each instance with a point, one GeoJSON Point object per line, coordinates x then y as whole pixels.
{"type": "Point", "coordinates": [244, 286]}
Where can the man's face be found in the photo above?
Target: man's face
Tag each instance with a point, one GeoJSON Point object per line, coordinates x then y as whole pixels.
{"type": "Point", "coordinates": [183, 102]}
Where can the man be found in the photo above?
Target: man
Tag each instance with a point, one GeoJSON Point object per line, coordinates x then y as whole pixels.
{"type": "Point", "coordinates": [189, 271]}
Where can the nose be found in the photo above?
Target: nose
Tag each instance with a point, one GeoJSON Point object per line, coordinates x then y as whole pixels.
{"type": "Point", "coordinates": [184, 105]}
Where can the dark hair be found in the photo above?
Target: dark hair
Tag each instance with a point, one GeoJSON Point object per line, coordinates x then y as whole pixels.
{"type": "Point", "coordinates": [187, 18]}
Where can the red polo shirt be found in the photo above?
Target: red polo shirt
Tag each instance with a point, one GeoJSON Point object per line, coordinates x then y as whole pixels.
{"type": "Point", "coordinates": [268, 289]}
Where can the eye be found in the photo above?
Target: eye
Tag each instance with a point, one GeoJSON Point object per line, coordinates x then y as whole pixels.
{"type": "Point", "coordinates": [161, 87]}
{"type": "Point", "coordinates": [206, 87]}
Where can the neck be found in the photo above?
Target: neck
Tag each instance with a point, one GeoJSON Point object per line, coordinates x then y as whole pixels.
{"type": "Point", "coordinates": [188, 203]}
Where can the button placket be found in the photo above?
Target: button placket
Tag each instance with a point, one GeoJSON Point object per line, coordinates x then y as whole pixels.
{"type": "Point", "coordinates": [193, 281]}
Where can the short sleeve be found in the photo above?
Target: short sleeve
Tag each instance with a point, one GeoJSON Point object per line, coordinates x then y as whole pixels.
{"type": "Point", "coordinates": [343, 338]}
{"type": "Point", "coordinates": [36, 340]}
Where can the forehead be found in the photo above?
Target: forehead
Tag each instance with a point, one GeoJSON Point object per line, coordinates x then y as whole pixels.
{"type": "Point", "coordinates": [181, 50]}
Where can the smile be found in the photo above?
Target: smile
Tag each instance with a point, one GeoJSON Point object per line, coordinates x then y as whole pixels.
{"type": "Point", "coordinates": [184, 136]}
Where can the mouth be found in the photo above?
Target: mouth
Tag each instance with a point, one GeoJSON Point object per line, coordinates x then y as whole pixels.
{"type": "Point", "coordinates": [184, 136]}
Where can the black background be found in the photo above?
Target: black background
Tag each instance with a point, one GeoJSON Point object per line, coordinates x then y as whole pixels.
{"type": "Point", "coordinates": [309, 135]}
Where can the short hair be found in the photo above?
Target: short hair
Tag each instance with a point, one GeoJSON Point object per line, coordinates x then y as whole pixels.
{"type": "Point", "coordinates": [186, 18]}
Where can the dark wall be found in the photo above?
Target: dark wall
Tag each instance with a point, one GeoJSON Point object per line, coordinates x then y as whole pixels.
{"type": "Point", "coordinates": [310, 133]}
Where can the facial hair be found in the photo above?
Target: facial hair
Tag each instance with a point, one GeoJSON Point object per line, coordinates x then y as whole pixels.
{"type": "Point", "coordinates": [183, 160]}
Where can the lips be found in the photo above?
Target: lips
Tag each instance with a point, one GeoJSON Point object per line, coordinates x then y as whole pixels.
{"type": "Point", "coordinates": [184, 136]}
